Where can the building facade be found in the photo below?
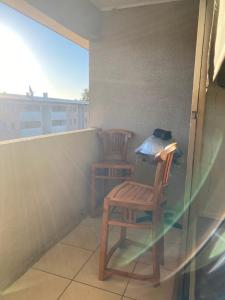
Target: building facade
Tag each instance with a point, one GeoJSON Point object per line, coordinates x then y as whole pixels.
{"type": "Point", "coordinates": [24, 116]}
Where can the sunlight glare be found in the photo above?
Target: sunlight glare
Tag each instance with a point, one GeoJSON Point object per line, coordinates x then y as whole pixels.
{"type": "Point", "coordinates": [18, 66]}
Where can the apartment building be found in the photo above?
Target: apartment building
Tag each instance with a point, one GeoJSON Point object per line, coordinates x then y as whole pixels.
{"type": "Point", "coordinates": [23, 116]}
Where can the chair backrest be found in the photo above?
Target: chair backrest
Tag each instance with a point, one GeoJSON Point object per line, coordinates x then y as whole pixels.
{"type": "Point", "coordinates": [115, 143]}
{"type": "Point", "coordinates": [164, 162]}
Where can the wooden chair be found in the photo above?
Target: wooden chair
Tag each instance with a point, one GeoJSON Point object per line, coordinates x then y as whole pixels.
{"type": "Point", "coordinates": [132, 197]}
{"type": "Point", "coordinates": [114, 165]}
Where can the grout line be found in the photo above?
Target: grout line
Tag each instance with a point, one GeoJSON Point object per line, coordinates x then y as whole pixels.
{"type": "Point", "coordinates": [129, 279]}
{"type": "Point", "coordinates": [61, 294]}
{"type": "Point", "coordinates": [126, 286]}
{"type": "Point", "coordinates": [74, 246]}
{"type": "Point", "coordinates": [102, 289]}
{"type": "Point", "coordinates": [47, 272]}
{"type": "Point", "coordinates": [50, 273]}
{"type": "Point", "coordinates": [93, 286]}
{"type": "Point", "coordinates": [89, 258]}
{"type": "Point", "coordinates": [80, 282]}
{"type": "Point", "coordinates": [128, 298]}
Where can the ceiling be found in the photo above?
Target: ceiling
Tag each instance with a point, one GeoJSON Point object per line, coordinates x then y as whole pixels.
{"type": "Point", "coordinates": [105, 5]}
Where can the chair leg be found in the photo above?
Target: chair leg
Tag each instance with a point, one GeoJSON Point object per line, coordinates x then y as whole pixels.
{"type": "Point", "coordinates": [93, 194]}
{"type": "Point", "coordinates": [123, 230]}
{"type": "Point", "coordinates": [162, 240]}
{"type": "Point", "coordinates": [162, 258]}
{"type": "Point", "coordinates": [104, 241]}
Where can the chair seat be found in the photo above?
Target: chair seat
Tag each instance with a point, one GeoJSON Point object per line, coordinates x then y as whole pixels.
{"type": "Point", "coordinates": [131, 193]}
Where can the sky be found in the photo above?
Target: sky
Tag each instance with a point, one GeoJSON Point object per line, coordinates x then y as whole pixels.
{"type": "Point", "coordinates": [31, 54]}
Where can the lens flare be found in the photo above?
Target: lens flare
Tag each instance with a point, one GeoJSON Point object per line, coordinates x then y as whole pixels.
{"type": "Point", "coordinates": [178, 211]}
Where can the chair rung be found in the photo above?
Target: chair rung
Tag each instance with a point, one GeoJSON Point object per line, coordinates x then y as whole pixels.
{"type": "Point", "coordinates": [151, 278]}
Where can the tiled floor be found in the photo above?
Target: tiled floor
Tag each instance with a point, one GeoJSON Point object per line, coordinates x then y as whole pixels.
{"type": "Point", "coordinates": [69, 270]}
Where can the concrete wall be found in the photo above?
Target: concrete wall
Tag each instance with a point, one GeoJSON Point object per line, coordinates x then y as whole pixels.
{"type": "Point", "coordinates": [44, 191]}
{"type": "Point", "coordinates": [141, 70]}
{"type": "Point", "coordinates": [80, 16]}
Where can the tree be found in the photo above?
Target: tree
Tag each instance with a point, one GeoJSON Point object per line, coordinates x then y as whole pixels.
{"type": "Point", "coordinates": [85, 95]}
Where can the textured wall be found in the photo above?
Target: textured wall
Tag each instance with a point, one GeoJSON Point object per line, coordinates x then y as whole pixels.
{"type": "Point", "coordinates": [44, 190]}
{"type": "Point", "coordinates": [141, 70]}
{"type": "Point", "coordinates": [79, 16]}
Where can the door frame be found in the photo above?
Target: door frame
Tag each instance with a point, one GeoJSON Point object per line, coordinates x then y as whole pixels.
{"type": "Point", "coordinates": [196, 133]}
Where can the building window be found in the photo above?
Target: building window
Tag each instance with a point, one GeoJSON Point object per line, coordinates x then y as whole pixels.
{"type": "Point", "coordinates": [30, 124]}
{"type": "Point", "coordinates": [74, 121]}
{"type": "Point", "coordinates": [58, 108]}
{"type": "Point", "coordinates": [32, 108]}
{"type": "Point", "coordinates": [59, 122]}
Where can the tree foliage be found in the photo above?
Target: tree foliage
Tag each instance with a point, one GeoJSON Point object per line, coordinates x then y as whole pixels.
{"type": "Point", "coordinates": [85, 95]}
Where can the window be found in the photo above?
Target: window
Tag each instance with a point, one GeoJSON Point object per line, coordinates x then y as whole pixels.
{"type": "Point", "coordinates": [30, 124]}
{"type": "Point", "coordinates": [38, 92]}
{"type": "Point", "coordinates": [59, 122]}
{"type": "Point", "coordinates": [32, 107]}
{"type": "Point", "coordinates": [58, 108]}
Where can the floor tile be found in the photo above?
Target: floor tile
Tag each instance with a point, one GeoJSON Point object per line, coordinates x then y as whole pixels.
{"type": "Point", "coordinates": [173, 236]}
{"type": "Point", "coordinates": [141, 290]}
{"type": "Point", "coordinates": [63, 260]}
{"type": "Point", "coordinates": [93, 222]}
{"type": "Point", "coordinates": [78, 291]}
{"type": "Point", "coordinates": [86, 237]}
{"type": "Point", "coordinates": [133, 234]}
{"type": "Point", "coordinates": [36, 285]}
{"type": "Point", "coordinates": [172, 247]}
{"type": "Point", "coordinates": [116, 284]}
{"type": "Point", "coordinates": [146, 257]}
{"type": "Point", "coordinates": [133, 248]}
{"type": "Point", "coordinates": [171, 256]}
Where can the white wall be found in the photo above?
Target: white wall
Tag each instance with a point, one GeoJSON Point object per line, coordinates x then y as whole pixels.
{"type": "Point", "coordinates": [44, 190]}
{"type": "Point", "coordinates": [80, 16]}
{"type": "Point", "coordinates": [141, 70]}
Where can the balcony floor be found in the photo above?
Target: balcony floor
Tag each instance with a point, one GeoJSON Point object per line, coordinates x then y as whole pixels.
{"type": "Point", "coordinates": [69, 270]}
